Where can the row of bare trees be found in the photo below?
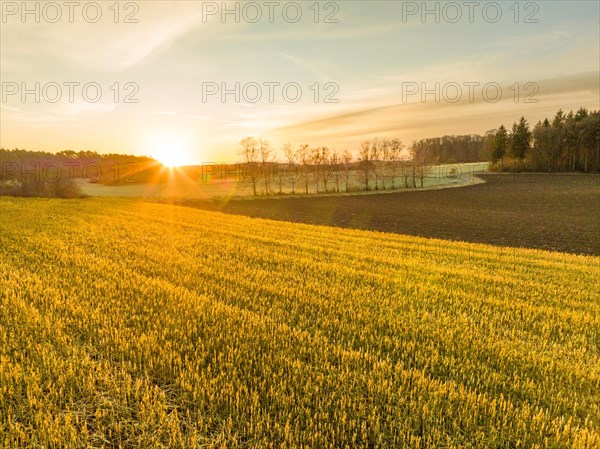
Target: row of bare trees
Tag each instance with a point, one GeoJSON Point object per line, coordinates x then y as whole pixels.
{"type": "Point", "coordinates": [381, 164]}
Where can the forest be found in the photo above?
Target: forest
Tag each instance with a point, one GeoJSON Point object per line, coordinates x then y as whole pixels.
{"type": "Point", "coordinates": [565, 143]}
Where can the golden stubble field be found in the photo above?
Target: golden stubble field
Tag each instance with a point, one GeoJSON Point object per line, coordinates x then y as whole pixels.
{"type": "Point", "coordinates": [131, 324]}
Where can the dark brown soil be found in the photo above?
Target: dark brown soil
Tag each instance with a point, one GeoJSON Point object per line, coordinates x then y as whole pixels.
{"type": "Point", "coordinates": [546, 211]}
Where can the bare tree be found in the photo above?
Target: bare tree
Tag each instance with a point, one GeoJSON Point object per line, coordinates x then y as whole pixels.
{"type": "Point", "coordinates": [304, 154]}
{"type": "Point", "coordinates": [326, 166]}
{"type": "Point", "coordinates": [413, 168]}
{"type": "Point", "coordinates": [421, 159]}
{"type": "Point", "coordinates": [406, 170]}
{"type": "Point", "coordinates": [279, 165]}
{"type": "Point", "coordinates": [365, 160]}
{"type": "Point", "coordinates": [315, 159]}
{"type": "Point", "coordinates": [319, 157]}
{"type": "Point", "coordinates": [334, 162]}
{"type": "Point", "coordinates": [386, 152]}
{"type": "Point", "coordinates": [347, 159]}
{"type": "Point", "coordinates": [249, 152]}
{"type": "Point", "coordinates": [422, 171]}
{"type": "Point", "coordinates": [265, 154]}
{"type": "Point", "coordinates": [395, 153]}
{"type": "Point", "coordinates": [290, 155]}
{"type": "Point", "coordinates": [376, 161]}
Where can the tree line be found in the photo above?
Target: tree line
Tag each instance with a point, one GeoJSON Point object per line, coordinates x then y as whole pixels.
{"type": "Point", "coordinates": [381, 164]}
{"type": "Point", "coordinates": [45, 174]}
{"type": "Point", "coordinates": [455, 149]}
{"type": "Point", "coordinates": [566, 143]}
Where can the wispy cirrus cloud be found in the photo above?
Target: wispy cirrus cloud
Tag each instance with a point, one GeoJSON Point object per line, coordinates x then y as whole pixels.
{"type": "Point", "coordinates": [105, 46]}
{"type": "Point", "coordinates": [417, 119]}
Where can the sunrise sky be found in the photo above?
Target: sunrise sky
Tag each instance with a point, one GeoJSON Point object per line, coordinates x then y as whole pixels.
{"type": "Point", "coordinates": [370, 54]}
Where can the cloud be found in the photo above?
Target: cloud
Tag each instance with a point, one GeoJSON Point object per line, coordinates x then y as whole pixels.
{"type": "Point", "coordinates": [105, 46]}
{"type": "Point", "coordinates": [54, 114]}
{"type": "Point", "coordinates": [319, 34]}
{"type": "Point", "coordinates": [417, 120]}
{"type": "Point", "coordinates": [199, 117]}
{"type": "Point", "coordinates": [308, 66]}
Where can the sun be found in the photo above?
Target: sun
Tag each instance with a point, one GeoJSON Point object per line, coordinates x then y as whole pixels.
{"type": "Point", "coordinates": [171, 151]}
{"type": "Point", "coordinates": [169, 157]}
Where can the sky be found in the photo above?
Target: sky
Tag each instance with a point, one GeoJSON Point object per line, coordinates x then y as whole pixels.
{"type": "Point", "coordinates": [181, 80]}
